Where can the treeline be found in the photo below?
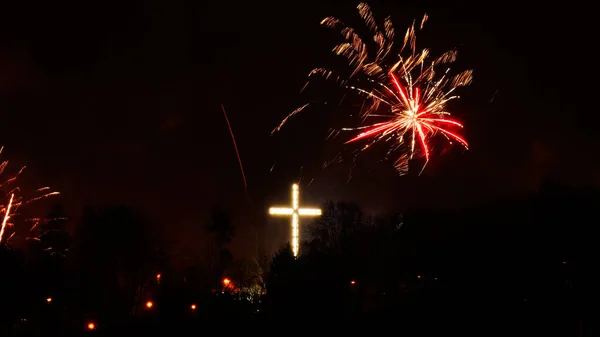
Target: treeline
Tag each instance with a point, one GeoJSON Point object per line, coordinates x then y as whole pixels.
{"type": "Point", "coordinates": [513, 262]}
{"type": "Point", "coordinates": [509, 260]}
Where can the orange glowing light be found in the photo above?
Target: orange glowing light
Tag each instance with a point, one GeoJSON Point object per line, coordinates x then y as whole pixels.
{"type": "Point", "coordinates": [149, 304]}
{"type": "Point", "coordinates": [193, 307]}
{"type": "Point", "coordinates": [49, 299]}
{"type": "Point", "coordinates": [419, 276]}
{"type": "Point", "coordinates": [91, 326]}
{"type": "Point", "coordinates": [226, 281]}
{"type": "Point", "coordinates": [353, 282]}
{"type": "Point", "coordinates": [158, 277]}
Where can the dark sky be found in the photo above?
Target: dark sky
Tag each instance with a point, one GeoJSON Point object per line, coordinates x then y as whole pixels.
{"type": "Point", "coordinates": [119, 102]}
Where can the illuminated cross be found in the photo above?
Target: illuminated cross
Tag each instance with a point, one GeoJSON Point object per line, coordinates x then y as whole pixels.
{"type": "Point", "coordinates": [296, 212]}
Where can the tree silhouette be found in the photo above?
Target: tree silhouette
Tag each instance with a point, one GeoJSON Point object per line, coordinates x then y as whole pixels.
{"type": "Point", "coordinates": [223, 231]}
{"type": "Point", "coordinates": [282, 266]}
{"type": "Point", "coordinates": [246, 274]}
{"type": "Point", "coordinates": [309, 286]}
{"type": "Point", "coordinates": [339, 222]}
{"type": "Point", "coordinates": [198, 281]}
{"type": "Point", "coordinates": [14, 288]}
{"type": "Point", "coordinates": [115, 252]}
{"type": "Point", "coordinates": [50, 234]}
{"type": "Point", "coordinates": [281, 282]}
{"type": "Point", "coordinates": [221, 226]}
{"type": "Point", "coordinates": [344, 246]}
{"type": "Point", "coordinates": [264, 262]}
{"type": "Point", "coordinates": [46, 257]}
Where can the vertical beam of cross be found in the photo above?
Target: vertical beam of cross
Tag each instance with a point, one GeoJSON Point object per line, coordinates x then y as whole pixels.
{"type": "Point", "coordinates": [296, 212]}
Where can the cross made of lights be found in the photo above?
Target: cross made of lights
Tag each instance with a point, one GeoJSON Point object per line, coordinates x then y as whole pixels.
{"type": "Point", "coordinates": [296, 212]}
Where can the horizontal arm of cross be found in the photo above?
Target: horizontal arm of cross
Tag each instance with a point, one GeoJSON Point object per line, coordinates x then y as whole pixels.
{"type": "Point", "coordinates": [290, 211]}
{"type": "Point", "coordinates": [309, 211]}
{"type": "Point", "coordinates": [281, 211]}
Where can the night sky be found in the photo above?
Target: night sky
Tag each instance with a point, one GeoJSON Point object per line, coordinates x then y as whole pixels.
{"type": "Point", "coordinates": [119, 102]}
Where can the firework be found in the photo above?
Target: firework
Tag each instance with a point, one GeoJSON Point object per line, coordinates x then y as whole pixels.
{"type": "Point", "coordinates": [14, 199]}
{"type": "Point", "coordinates": [237, 153]}
{"type": "Point", "coordinates": [405, 91]}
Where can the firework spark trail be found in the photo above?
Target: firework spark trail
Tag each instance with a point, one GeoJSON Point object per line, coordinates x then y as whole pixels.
{"type": "Point", "coordinates": [15, 201]}
{"type": "Point", "coordinates": [288, 117]}
{"type": "Point", "coordinates": [6, 216]}
{"type": "Point", "coordinates": [402, 87]}
{"type": "Point", "coordinates": [237, 153]}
